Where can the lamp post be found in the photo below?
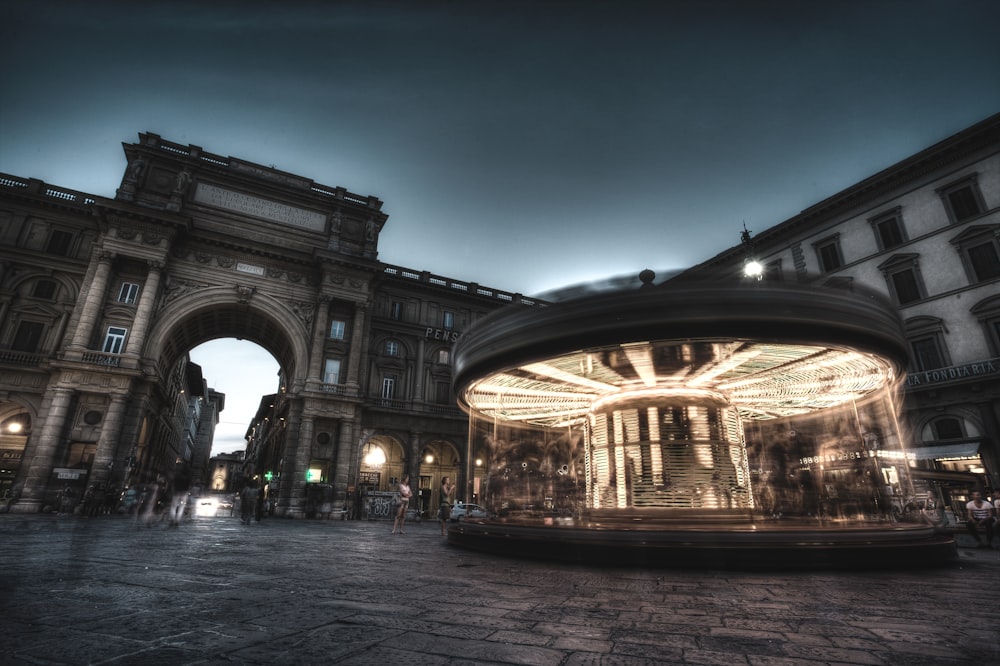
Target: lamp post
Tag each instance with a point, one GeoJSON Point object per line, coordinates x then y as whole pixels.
{"type": "Point", "coordinates": [752, 268]}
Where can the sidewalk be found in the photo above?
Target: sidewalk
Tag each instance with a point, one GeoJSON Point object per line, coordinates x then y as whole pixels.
{"type": "Point", "coordinates": [212, 591]}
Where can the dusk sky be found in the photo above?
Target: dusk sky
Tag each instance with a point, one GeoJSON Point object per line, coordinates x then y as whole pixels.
{"type": "Point", "coordinates": [522, 145]}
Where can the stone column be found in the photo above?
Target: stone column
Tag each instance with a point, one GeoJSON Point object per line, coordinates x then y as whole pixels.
{"type": "Point", "coordinates": [92, 305]}
{"type": "Point", "coordinates": [107, 442]}
{"type": "Point", "coordinates": [358, 339]}
{"type": "Point", "coordinates": [144, 311]}
{"type": "Point", "coordinates": [314, 377]}
{"type": "Point", "coordinates": [41, 454]}
{"type": "Point", "coordinates": [420, 368]}
{"type": "Point", "coordinates": [296, 459]}
{"type": "Point", "coordinates": [348, 449]}
{"type": "Point", "coordinates": [413, 459]}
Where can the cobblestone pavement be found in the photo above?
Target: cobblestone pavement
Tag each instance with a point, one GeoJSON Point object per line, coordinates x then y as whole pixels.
{"type": "Point", "coordinates": [213, 591]}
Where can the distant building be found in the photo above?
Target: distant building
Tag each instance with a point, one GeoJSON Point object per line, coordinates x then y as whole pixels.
{"type": "Point", "coordinates": [926, 233]}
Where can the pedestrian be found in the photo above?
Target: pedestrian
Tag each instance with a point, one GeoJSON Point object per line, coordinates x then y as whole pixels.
{"type": "Point", "coordinates": [130, 500]}
{"type": "Point", "coordinates": [248, 502]}
{"type": "Point", "coordinates": [444, 512]}
{"type": "Point", "coordinates": [181, 486]}
{"type": "Point", "coordinates": [403, 501]}
{"type": "Point", "coordinates": [979, 514]}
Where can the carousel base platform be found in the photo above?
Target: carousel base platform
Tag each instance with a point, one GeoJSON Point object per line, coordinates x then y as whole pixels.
{"type": "Point", "coordinates": [778, 546]}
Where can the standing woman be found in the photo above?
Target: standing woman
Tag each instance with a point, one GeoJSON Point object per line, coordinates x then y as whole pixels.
{"type": "Point", "coordinates": [444, 513]}
{"type": "Point", "coordinates": [404, 500]}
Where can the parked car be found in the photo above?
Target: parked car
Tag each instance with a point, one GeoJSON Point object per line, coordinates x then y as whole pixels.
{"type": "Point", "coordinates": [462, 511]}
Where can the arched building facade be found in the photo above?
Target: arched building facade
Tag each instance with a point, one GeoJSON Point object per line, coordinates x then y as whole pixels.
{"type": "Point", "coordinates": [101, 300]}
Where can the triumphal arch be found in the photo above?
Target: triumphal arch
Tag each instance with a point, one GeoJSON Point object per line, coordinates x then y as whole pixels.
{"type": "Point", "coordinates": [101, 299]}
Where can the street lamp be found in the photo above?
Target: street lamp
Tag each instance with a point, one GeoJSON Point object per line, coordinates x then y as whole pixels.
{"type": "Point", "coordinates": [751, 267]}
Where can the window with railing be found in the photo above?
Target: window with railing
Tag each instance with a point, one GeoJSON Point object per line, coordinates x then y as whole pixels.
{"type": "Point", "coordinates": [114, 340]}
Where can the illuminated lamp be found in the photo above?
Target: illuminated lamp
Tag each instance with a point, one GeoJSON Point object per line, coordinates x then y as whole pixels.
{"type": "Point", "coordinates": [700, 425]}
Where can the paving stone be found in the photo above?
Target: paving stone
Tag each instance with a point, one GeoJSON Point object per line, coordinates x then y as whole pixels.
{"type": "Point", "coordinates": [104, 591]}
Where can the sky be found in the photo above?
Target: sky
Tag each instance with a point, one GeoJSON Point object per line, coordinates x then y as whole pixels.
{"type": "Point", "coordinates": [523, 145]}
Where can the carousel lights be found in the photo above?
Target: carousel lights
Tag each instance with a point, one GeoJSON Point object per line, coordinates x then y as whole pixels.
{"type": "Point", "coordinates": [762, 381]}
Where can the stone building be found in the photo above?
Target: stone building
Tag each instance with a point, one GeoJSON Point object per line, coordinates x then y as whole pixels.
{"type": "Point", "coordinates": [926, 233]}
{"type": "Point", "coordinates": [101, 299]}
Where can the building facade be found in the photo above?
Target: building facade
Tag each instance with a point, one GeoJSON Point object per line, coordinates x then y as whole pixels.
{"type": "Point", "coordinates": [925, 233]}
{"type": "Point", "coordinates": [101, 299]}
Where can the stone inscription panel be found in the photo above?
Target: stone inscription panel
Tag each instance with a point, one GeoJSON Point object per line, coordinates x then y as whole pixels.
{"type": "Point", "coordinates": [238, 202]}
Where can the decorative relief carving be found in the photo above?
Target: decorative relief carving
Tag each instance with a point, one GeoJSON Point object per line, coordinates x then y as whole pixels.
{"type": "Point", "coordinates": [245, 293]}
{"type": "Point", "coordinates": [176, 288]}
{"type": "Point", "coordinates": [226, 262]}
{"type": "Point", "coordinates": [202, 258]}
{"type": "Point", "coordinates": [125, 233]}
{"type": "Point", "coordinates": [304, 311]}
{"type": "Point", "coordinates": [150, 238]}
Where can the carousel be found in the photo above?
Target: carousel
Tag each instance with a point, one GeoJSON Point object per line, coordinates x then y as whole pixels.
{"type": "Point", "coordinates": [711, 425]}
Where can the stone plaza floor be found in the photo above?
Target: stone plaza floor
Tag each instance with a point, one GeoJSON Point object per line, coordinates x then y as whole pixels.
{"type": "Point", "coordinates": [104, 590]}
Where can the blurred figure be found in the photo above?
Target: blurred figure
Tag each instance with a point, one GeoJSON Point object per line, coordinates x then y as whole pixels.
{"type": "Point", "coordinates": [248, 502]}
{"type": "Point", "coordinates": [181, 490]}
{"type": "Point", "coordinates": [404, 502]}
{"type": "Point", "coordinates": [979, 516]}
{"type": "Point", "coordinates": [444, 512]}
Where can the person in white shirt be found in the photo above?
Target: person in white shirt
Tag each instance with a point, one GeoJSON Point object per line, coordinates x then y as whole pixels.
{"type": "Point", "coordinates": [979, 515]}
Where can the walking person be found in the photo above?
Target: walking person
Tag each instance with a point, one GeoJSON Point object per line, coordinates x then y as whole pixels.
{"type": "Point", "coordinates": [248, 503]}
{"type": "Point", "coordinates": [444, 512]}
{"type": "Point", "coordinates": [979, 515]}
{"type": "Point", "coordinates": [179, 499]}
{"type": "Point", "coordinates": [404, 502]}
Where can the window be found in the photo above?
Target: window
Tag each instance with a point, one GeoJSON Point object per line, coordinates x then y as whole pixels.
{"type": "Point", "coordinates": [926, 338]}
{"type": "Point", "coordinates": [889, 230]}
{"type": "Point", "coordinates": [28, 336]}
{"type": "Point", "coordinates": [44, 289]}
{"type": "Point", "coordinates": [947, 428]}
{"type": "Point", "coordinates": [388, 387]}
{"type": "Point", "coordinates": [828, 253]}
{"type": "Point", "coordinates": [59, 242]}
{"type": "Point", "coordinates": [114, 340]}
{"type": "Point", "coordinates": [772, 271]}
{"type": "Point", "coordinates": [962, 200]}
{"type": "Point", "coordinates": [988, 313]}
{"type": "Point", "coordinates": [396, 310]}
{"type": "Point", "coordinates": [338, 328]}
{"type": "Point", "coordinates": [442, 393]}
{"type": "Point", "coordinates": [903, 277]}
{"type": "Point", "coordinates": [443, 356]}
{"type": "Point", "coordinates": [331, 371]}
{"type": "Point", "coordinates": [926, 354]}
{"type": "Point", "coordinates": [128, 293]}
{"type": "Point", "coordinates": [979, 249]}
{"type": "Point", "coordinates": [392, 348]}
{"type": "Point", "coordinates": [448, 320]}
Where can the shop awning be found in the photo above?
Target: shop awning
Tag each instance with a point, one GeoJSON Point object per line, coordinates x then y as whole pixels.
{"type": "Point", "coordinates": [942, 451]}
